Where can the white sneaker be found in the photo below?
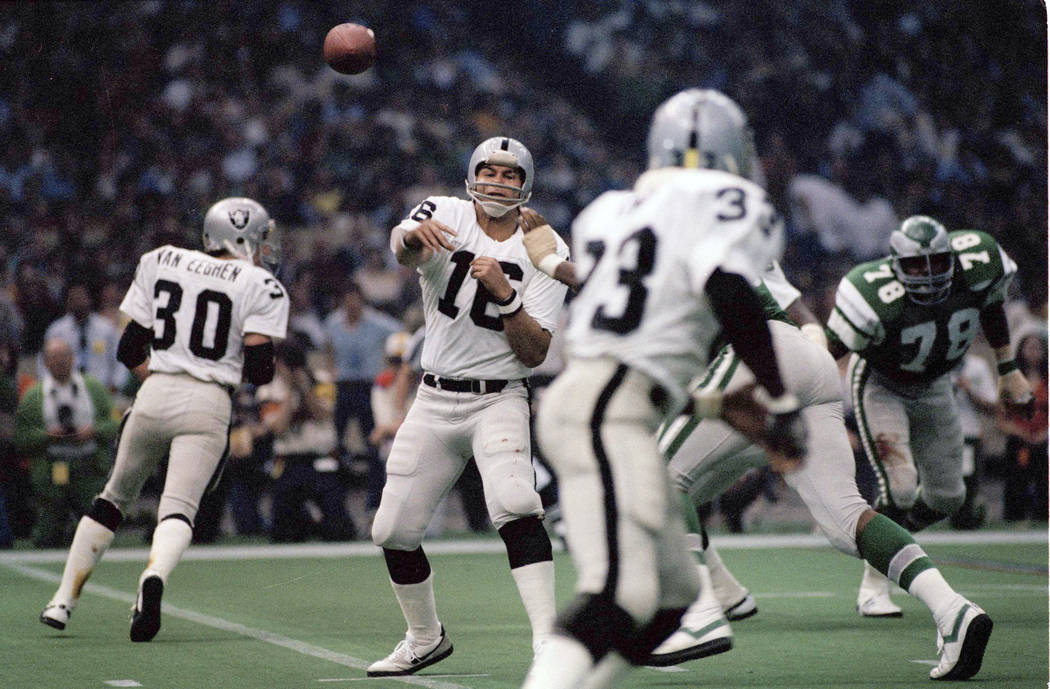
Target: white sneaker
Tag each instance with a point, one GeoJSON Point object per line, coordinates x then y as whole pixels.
{"type": "Point", "coordinates": [737, 601]}
{"type": "Point", "coordinates": [962, 648]}
{"type": "Point", "coordinates": [408, 657]}
{"type": "Point", "coordinates": [57, 614]}
{"type": "Point", "coordinates": [704, 632]}
{"type": "Point", "coordinates": [742, 609]}
{"type": "Point", "coordinates": [873, 598]}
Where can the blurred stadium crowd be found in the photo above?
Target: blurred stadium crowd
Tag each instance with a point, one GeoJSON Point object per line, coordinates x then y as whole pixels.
{"type": "Point", "coordinates": [123, 122]}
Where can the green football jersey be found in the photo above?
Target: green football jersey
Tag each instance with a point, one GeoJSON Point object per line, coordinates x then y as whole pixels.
{"type": "Point", "coordinates": [874, 317]}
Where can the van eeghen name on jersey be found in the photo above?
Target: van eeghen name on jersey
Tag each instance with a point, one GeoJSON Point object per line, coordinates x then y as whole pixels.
{"type": "Point", "coordinates": [220, 269]}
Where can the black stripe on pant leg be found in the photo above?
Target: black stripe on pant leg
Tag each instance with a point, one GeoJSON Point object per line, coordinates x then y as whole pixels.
{"type": "Point", "coordinates": [612, 542]}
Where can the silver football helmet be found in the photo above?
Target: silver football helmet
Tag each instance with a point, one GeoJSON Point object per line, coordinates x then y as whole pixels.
{"type": "Point", "coordinates": [922, 259]}
{"type": "Point", "coordinates": [242, 227]}
{"type": "Point", "coordinates": [701, 128]}
{"type": "Point", "coordinates": [501, 150]}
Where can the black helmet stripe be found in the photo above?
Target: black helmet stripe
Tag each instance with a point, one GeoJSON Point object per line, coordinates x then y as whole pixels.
{"type": "Point", "coordinates": [505, 145]}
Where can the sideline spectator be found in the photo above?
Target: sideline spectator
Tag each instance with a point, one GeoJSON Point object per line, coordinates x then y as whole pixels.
{"type": "Point", "coordinates": [306, 465]}
{"type": "Point", "coordinates": [92, 337]}
{"type": "Point", "coordinates": [1025, 489]}
{"type": "Point", "coordinates": [65, 424]}
{"type": "Point", "coordinates": [357, 336]}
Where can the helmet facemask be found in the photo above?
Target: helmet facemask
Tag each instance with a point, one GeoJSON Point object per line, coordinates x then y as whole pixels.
{"type": "Point", "coordinates": [505, 152]}
{"type": "Point", "coordinates": [922, 259]}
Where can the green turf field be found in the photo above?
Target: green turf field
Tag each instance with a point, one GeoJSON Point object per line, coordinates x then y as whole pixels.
{"type": "Point", "coordinates": [316, 616]}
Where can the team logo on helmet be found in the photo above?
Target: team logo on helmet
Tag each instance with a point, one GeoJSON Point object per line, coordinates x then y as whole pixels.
{"type": "Point", "coordinates": [240, 218]}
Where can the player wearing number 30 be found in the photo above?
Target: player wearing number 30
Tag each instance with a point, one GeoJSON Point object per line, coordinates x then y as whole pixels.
{"type": "Point", "coordinates": [489, 318]}
{"type": "Point", "coordinates": [200, 321]}
{"type": "Point", "coordinates": [909, 319]}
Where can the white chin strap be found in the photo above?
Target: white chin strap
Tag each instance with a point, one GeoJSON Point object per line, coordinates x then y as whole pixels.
{"type": "Point", "coordinates": [496, 206]}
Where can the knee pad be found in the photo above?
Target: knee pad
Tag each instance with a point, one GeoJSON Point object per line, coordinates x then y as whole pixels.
{"type": "Point", "coordinates": [105, 513]}
{"type": "Point", "coordinates": [517, 498]}
{"type": "Point", "coordinates": [527, 542]}
{"type": "Point", "coordinates": [407, 566]}
{"type": "Point", "coordinates": [386, 533]}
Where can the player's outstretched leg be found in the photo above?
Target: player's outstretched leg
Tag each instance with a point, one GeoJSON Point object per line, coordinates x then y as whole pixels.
{"type": "Point", "coordinates": [92, 538]}
{"type": "Point", "coordinates": [425, 642]}
{"type": "Point", "coordinates": [963, 628]}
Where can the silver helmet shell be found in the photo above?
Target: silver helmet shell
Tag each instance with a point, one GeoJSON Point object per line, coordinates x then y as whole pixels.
{"type": "Point", "coordinates": [922, 259]}
{"type": "Point", "coordinates": [701, 128]}
{"type": "Point", "coordinates": [501, 150]}
{"type": "Point", "coordinates": [242, 227]}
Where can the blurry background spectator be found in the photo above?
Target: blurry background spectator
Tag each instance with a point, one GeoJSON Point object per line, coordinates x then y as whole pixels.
{"type": "Point", "coordinates": [307, 474]}
{"type": "Point", "coordinates": [1026, 480]}
{"type": "Point", "coordinates": [92, 337]}
{"type": "Point", "coordinates": [65, 425]}
{"type": "Point", "coordinates": [123, 122]}
{"type": "Point", "coordinates": [357, 336]}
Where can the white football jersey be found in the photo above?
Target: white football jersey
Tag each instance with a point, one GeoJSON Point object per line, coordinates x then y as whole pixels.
{"type": "Point", "coordinates": [199, 309]}
{"type": "Point", "coordinates": [645, 256]}
{"type": "Point", "coordinates": [464, 333]}
{"type": "Point", "coordinates": [781, 289]}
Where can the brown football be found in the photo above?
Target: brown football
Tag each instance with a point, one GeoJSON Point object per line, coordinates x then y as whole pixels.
{"type": "Point", "coordinates": [350, 48]}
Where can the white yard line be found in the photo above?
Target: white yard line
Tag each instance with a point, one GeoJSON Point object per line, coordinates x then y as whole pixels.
{"type": "Point", "coordinates": [495, 545]}
{"type": "Point", "coordinates": [295, 645]}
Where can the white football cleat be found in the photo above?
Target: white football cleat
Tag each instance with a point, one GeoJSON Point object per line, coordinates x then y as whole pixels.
{"type": "Point", "coordinates": [962, 648]}
{"type": "Point", "coordinates": [873, 598]}
{"type": "Point", "coordinates": [737, 602]}
{"type": "Point", "coordinates": [704, 632]}
{"type": "Point", "coordinates": [408, 657]}
{"type": "Point", "coordinates": [742, 609]}
{"type": "Point", "coordinates": [57, 614]}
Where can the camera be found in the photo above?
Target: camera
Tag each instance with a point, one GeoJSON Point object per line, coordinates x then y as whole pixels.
{"type": "Point", "coordinates": [65, 419]}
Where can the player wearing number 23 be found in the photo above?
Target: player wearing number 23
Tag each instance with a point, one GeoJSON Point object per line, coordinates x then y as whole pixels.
{"type": "Point", "coordinates": [200, 321]}
{"type": "Point", "coordinates": [909, 319]}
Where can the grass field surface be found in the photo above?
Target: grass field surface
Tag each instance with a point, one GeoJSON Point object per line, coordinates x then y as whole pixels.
{"type": "Point", "coordinates": [314, 616]}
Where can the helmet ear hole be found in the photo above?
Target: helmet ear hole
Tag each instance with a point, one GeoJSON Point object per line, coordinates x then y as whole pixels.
{"type": "Point", "coordinates": [240, 240]}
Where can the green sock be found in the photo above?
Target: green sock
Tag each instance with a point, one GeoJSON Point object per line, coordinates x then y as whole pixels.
{"type": "Point", "coordinates": [693, 528]}
{"type": "Point", "coordinates": [891, 550]}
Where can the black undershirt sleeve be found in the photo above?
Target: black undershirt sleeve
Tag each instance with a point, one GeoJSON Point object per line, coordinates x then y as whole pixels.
{"type": "Point", "coordinates": [743, 321]}
{"type": "Point", "coordinates": [993, 323]}
{"type": "Point", "coordinates": [133, 347]}
{"type": "Point", "coordinates": [258, 363]}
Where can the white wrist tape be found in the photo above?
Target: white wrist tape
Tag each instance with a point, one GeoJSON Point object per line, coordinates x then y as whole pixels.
{"type": "Point", "coordinates": [511, 307]}
{"type": "Point", "coordinates": [707, 403]}
{"type": "Point", "coordinates": [549, 263]}
{"type": "Point", "coordinates": [777, 405]}
{"type": "Point", "coordinates": [815, 333]}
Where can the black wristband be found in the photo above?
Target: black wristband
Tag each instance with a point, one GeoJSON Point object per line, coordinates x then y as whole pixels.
{"type": "Point", "coordinates": [508, 300]}
{"type": "Point", "coordinates": [1007, 366]}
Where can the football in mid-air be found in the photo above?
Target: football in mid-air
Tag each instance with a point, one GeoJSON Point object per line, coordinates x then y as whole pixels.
{"type": "Point", "coordinates": [350, 48]}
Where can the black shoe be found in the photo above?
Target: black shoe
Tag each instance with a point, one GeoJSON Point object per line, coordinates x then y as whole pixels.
{"type": "Point", "coordinates": [145, 616]}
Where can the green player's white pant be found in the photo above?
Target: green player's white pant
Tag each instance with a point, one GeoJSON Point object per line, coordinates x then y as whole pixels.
{"type": "Point", "coordinates": [707, 456]}
{"type": "Point", "coordinates": [912, 438]}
